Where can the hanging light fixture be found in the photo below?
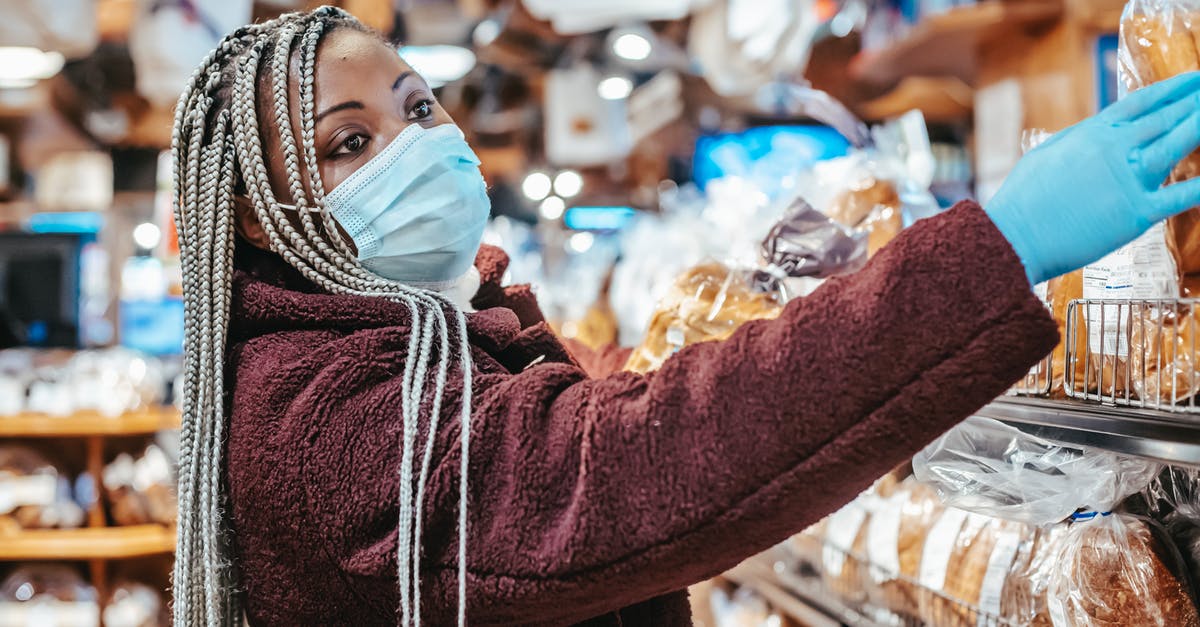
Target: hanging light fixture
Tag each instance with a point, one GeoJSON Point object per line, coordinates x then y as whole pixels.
{"type": "Point", "coordinates": [23, 67]}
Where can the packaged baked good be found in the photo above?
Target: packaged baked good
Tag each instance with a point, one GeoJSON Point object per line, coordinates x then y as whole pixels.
{"type": "Point", "coordinates": [843, 555]}
{"type": "Point", "coordinates": [872, 206]}
{"type": "Point", "coordinates": [141, 490]}
{"type": "Point", "coordinates": [34, 494]}
{"type": "Point", "coordinates": [984, 557]}
{"type": "Point", "coordinates": [712, 300]}
{"type": "Point", "coordinates": [47, 594]}
{"type": "Point", "coordinates": [1111, 570]}
{"type": "Point", "coordinates": [1158, 40]}
{"type": "Point", "coordinates": [895, 540]}
{"type": "Point", "coordinates": [133, 604]}
{"type": "Point", "coordinates": [991, 468]}
{"type": "Point", "coordinates": [1023, 598]}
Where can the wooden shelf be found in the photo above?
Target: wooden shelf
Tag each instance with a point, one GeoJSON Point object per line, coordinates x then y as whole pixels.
{"type": "Point", "coordinates": [87, 544]}
{"type": "Point", "coordinates": [945, 44]}
{"type": "Point", "coordinates": [88, 424]}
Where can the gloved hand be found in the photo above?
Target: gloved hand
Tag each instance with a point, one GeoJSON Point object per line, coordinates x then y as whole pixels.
{"type": "Point", "coordinates": [1096, 186]}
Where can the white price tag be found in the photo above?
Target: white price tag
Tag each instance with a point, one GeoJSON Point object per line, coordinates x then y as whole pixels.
{"type": "Point", "coordinates": [991, 592]}
{"type": "Point", "coordinates": [939, 544]}
{"type": "Point", "coordinates": [883, 538]}
{"type": "Point", "coordinates": [839, 536]}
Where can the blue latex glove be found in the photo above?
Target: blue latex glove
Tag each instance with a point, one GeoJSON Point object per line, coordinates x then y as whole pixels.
{"type": "Point", "coordinates": [1096, 186]}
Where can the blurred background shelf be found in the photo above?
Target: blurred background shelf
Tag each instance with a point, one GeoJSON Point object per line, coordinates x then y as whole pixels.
{"type": "Point", "coordinates": [1168, 437]}
{"type": "Point", "coordinates": [89, 424]}
{"type": "Point", "coordinates": [945, 44]}
{"type": "Point", "coordinates": [87, 544]}
{"type": "Point", "coordinates": [790, 595]}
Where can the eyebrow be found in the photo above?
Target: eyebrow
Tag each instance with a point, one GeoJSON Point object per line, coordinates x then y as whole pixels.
{"type": "Point", "coordinates": [354, 104]}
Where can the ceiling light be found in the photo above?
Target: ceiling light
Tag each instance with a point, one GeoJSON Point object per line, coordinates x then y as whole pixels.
{"type": "Point", "coordinates": [146, 235]}
{"type": "Point", "coordinates": [22, 67]}
{"type": "Point", "coordinates": [552, 208]}
{"type": "Point", "coordinates": [632, 47]}
{"type": "Point", "coordinates": [615, 88]}
{"type": "Point", "coordinates": [536, 186]}
{"type": "Point", "coordinates": [440, 64]}
{"type": "Point", "coordinates": [582, 242]}
{"type": "Point", "coordinates": [486, 32]}
{"type": "Point", "coordinates": [568, 184]}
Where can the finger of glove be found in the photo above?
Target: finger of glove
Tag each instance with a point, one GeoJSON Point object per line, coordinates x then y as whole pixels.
{"type": "Point", "coordinates": [1152, 98]}
{"type": "Point", "coordinates": [1156, 161]}
{"type": "Point", "coordinates": [1174, 199]}
{"type": "Point", "coordinates": [1157, 124]}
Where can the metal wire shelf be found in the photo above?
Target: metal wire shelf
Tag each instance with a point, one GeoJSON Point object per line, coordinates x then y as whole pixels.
{"type": "Point", "coordinates": [1133, 353]}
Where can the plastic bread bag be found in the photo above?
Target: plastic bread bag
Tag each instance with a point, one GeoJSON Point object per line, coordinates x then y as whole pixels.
{"type": "Point", "coordinates": [974, 569]}
{"type": "Point", "coordinates": [44, 594]}
{"type": "Point", "coordinates": [712, 300]}
{"type": "Point", "coordinates": [986, 466]}
{"type": "Point", "coordinates": [132, 604]}
{"type": "Point", "coordinates": [1116, 569]}
{"type": "Point", "coordinates": [141, 490]}
{"type": "Point", "coordinates": [34, 494]}
{"type": "Point", "coordinates": [896, 537]}
{"type": "Point", "coordinates": [1174, 499]}
{"type": "Point", "coordinates": [1158, 40]}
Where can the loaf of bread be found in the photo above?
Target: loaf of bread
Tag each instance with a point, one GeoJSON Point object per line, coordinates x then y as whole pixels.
{"type": "Point", "coordinates": [1060, 292]}
{"type": "Point", "coordinates": [34, 494]}
{"type": "Point", "coordinates": [1158, 41]}
{"type": "Point", "coordinates": [917, 509]}
{"type": "Point", "coordinates": [843, 556]}
{"type": "Point", "coordinates": [142, 490]}
{"type": "Point", "coordinates": [1111, 571]}
{"type": "Point", "coordinates": [135, 605]}
{"type": "Point", "coordinates": [707, 303]}
{"type": "Point", "coordinates": [47, 594]}
{"type": "Point", "coordinates": [978, 570]}
{"type": "Point", "coordinates": [871, 205]}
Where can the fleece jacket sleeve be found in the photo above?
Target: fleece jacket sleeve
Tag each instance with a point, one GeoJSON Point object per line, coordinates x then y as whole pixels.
{"type": "Point", "coordinates": [587, 495]}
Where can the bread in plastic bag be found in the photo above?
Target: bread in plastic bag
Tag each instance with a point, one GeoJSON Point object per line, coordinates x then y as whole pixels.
{"type": "Point", "coordinates": [711, 301]}
{"type": "Point", "coordinates": [1111, 570]}
{"type": "Point", "coordinates": [141, 490]}
{"type": "Point", "coordinates": [986, 466]}
{"type": "Point", "coordinates": [895, 541]}
{"type": "Point", "coordinates": [47, 594]}
{"type": "Point", "coordinates": [1158, 40]}
{"type": "Point", "coordinates": [133, 604]}
{"type": "Point", "coordinates": [977, 570]}
{"type": "Point", "coordinates": [34, 494]}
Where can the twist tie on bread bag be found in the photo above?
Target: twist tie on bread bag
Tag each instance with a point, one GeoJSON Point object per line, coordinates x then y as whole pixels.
{"type": "Point", "coordinates": [806, 243]}
{"type": "Point", "coordinates": [991, 468]}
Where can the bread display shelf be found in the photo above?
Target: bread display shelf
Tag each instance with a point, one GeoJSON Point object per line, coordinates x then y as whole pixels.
{"type": "Point", "coordinates": [1163, 436]}
{"type": "Point", "coordinates": [944, 44]}
{"type": "Point", "coordinates": [88, 424]}
{"type": "Point", "coordinates": [807, 604]}
{"type": "Point", "coordinates": [87, 544]}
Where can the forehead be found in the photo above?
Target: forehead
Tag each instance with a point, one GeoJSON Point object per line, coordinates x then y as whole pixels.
{"type": "Point", "coordinates": [347, 55]}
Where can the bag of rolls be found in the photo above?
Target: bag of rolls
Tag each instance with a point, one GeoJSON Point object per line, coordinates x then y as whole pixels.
{"type": "Point", "coordinates": [1151, 357]}
{"type": "Point", "coordinates": [710, 301]}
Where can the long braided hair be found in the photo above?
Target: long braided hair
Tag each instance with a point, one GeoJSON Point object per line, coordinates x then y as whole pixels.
{"type": "Point", "coordinates": [218, 153]}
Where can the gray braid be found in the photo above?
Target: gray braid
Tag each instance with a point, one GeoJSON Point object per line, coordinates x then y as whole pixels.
{"type": "Point", "coordinates": [215, 142]}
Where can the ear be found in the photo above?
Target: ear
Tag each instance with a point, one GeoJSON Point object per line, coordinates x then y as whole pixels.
{"type": "Point", "coordinates": [245, 222]}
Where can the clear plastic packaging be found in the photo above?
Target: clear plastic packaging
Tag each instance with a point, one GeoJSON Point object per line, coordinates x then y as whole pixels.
{"type": "Point", "coordinates": [134, 604]}
{"type": "Point", "coordinates": [1111, 569]}
{"type": "Point", "coordinates": [51, 595]}
{"type": "Point", "coordinates": [710, 301]}
{"type": "Point", "coordinates": [988, 467]}
{"type": "Point", "coordinates": [141, 490]}
{"type": "Point", "coordinates": [34, 494]}
{"type": "Point", "coordinates": [1158, 40]}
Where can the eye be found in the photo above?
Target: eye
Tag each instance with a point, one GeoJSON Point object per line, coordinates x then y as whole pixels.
{"type": "Point", "coordinates": [422, 110]}
{"type": "Point", "coordinates": [352, 145]}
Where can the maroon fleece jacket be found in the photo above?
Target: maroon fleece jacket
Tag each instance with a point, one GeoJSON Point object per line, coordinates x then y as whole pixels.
{"type": "Point", "coordinates": [595, 501]}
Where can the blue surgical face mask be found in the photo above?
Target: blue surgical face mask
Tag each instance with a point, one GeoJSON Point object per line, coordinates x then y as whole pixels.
{"type": "Point", "coordinates": [416, 211]}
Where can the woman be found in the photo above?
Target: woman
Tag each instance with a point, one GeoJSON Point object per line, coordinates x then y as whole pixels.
{"type": "Point", "coordinates": [357, 395]}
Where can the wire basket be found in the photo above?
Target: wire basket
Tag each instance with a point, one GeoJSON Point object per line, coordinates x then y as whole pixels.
{"type": "Point", "coordinates": [1135, 353]}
